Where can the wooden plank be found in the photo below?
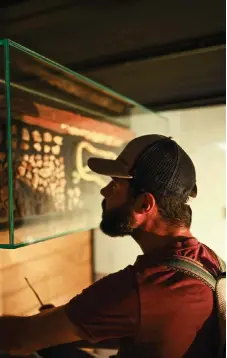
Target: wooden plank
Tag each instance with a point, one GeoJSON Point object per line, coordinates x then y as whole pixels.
{"type": "Point", "coordinates": [57, 269]}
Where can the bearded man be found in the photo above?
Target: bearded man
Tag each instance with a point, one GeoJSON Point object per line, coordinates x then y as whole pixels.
{"type": "Point", "coordinates": [154, 310]}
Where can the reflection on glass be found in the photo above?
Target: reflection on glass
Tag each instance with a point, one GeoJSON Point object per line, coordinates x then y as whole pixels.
{"type": "Point", "coordinates": [58, 120]}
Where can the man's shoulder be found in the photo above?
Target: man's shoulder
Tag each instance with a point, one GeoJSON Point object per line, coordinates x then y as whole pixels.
{"type": "Point", "coordinates": [153, 274]}
{"type": "Point", "coordinates": [111, 287]}
{"type": "Point", "coordinates": [124, 277]}
{"type": "Point", "coordinates": [113, 297]}
{"type": "Point", "coordinates": [190, 248]}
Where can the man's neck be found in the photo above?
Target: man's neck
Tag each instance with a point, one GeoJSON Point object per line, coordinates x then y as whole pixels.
{"type": "Point", "coordinates": [155, 241]}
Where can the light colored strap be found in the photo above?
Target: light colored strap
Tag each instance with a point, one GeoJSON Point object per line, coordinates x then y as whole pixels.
{"type": "Point", "coordinates": [191, 268]}
{"type": "Point", "coordinates": [222, 264]}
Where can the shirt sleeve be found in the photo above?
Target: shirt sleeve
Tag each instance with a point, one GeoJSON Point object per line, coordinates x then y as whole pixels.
{"type": "Point", "coordinates": [108, 309]}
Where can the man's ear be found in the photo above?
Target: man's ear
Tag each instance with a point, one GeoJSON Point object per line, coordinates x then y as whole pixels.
{"type": "Point", "coordinates": [145, 203]}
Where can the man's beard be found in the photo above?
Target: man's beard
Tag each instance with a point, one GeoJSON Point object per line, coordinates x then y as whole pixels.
{"type": "Point", "coordinates": [118, 221]}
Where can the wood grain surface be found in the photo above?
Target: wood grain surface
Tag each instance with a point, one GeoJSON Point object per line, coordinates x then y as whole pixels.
{"type": "Point", "coordinates": [57, 269]}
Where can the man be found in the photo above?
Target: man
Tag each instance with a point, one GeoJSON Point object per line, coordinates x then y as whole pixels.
{"type": "Point", "coordinates": [154, 311]}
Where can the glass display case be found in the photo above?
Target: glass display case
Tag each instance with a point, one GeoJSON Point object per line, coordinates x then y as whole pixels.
{"type": "Point", "coordinates": [52, 121]}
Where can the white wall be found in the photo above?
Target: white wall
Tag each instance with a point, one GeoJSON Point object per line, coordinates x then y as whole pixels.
{"type": "Point", "coordinates": [202, 133]}
{"type": "Point", "coordinates": [113, 254]}
{"type": "Point", "coordinates": [203, 136]}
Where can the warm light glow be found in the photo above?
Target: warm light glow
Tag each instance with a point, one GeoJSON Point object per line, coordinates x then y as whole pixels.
{"type": "Point", "coordinates": [222, 146]}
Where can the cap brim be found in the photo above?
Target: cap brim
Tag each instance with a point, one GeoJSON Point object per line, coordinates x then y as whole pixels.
{"type": "Point", "coordinates": [111, 168]}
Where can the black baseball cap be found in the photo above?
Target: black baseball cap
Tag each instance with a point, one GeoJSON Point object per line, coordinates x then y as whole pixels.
{"type": "Point", "coordinates": [157, 164]}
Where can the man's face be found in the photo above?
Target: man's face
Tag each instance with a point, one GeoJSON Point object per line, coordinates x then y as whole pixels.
{"type": "Point", "coordinates": [117, 215]}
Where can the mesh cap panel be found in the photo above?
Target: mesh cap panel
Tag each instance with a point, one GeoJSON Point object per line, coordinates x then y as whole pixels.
{"type": "Point", "coordinates": [166, 169]}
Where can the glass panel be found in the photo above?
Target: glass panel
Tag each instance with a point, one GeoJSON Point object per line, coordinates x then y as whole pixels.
{"type": "Point", "coordinates": [4, 182]}
{"type": "Point", "coordinates": [59, 120]}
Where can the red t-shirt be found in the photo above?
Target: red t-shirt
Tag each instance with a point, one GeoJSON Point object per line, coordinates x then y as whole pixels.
{"type": "Point", "coordinates": [155, 311]}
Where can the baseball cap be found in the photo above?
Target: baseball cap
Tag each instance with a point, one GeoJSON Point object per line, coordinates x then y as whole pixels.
{"type": "Point", "coordinates": [157, 164]}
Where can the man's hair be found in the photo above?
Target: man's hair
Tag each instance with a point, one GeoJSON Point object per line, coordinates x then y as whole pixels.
{"type": "Point", "coordinates": [172, 209]}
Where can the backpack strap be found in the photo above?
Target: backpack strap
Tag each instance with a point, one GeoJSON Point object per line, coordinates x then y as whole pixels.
{"type": "Point", "coordinates": [191, 268]}
{"type": "Point", "coordinates": [222, 265]}
{"type": "Point", "coordinates": [217, 284]}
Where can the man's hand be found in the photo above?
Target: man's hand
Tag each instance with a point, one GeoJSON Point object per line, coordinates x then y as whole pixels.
{"type": "Point", "coordinates": [24, 335]}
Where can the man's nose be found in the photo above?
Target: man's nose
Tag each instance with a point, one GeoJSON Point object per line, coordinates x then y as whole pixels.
{"type": "Point", "coordinates": [104, 191]}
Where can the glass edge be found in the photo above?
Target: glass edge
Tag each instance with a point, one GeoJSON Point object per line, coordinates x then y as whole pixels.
{"type": "Point", "coordinates": [78, 75]}
{"type": "Point", "coordinates": [23, 244]}
{"type": "Point", "coordinates": [9, 141]}
{"type": "Point", "coordinates": [82, 78]}
{"type": "Point", "coordinates": [7, 43]}
{"type": "Point", "coordinates": [6, 247]}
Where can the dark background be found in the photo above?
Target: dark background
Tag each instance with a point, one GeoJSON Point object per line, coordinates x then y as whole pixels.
{"type": "Point", "coordinates": [163, 54]}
